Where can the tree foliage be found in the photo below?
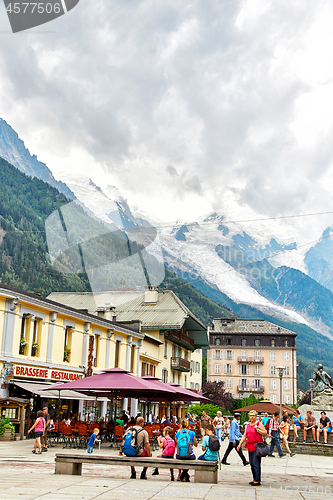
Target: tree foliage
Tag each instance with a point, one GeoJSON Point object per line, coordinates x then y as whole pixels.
{"type": "Point", "coordinates": [197, 409]}
{"type": "Point", "coordinates": [215, 391]}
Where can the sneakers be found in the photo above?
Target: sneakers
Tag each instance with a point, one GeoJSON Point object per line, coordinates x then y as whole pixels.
{"type": "Point", "coordinates": [172, 478]}
{"type": "Point", "coordinates": [246, 463]}
{"type": "Point", "coordinates": [271, 455]}
{"type": "Point", "coordinates": [143, 475]}
{"type": "Point", "coordinates": [325, 442]}
{"type": "Point", "coordinates": [156, 473]}
{"type": "Point", "coordinates": [304, 441]}
{"type": "Point", "coordinates": [224, 462]}
{"type": "Point", "coordinates": [292, 454]}
{"type": "Point", "coordinates": [283, 455]}
{"type": "Point", "coordinates": [315, 441]}
{"type": "Point", "coordinates": [133, 474]}
{"type": "Point", "coordinates": [44, 449]}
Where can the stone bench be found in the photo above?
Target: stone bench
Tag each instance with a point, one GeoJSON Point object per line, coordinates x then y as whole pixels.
{"type": "Point", "coordinates": [71, 463]}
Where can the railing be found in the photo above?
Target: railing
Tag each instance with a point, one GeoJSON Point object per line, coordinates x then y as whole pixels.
{"type": "Point", "coordinates": [180, 338]}
{"type": "Point", "coordinates": [243, 359]}
{"type": "Point", "coordinates": [242, 388]}
{"type": "Point", "coordinates": [258, 389]}
{"type": "Point", "coordinates": [180, 364]}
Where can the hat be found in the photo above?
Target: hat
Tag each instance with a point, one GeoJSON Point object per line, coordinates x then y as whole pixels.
{"type": "Point", "coordinates": [237, 414]}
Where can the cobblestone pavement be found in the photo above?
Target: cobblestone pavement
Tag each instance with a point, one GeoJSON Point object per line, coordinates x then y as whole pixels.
{"type": "Point", "coordinates": [27, 476]}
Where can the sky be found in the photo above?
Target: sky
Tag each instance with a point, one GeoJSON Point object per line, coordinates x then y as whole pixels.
{"type": "Point", "coordinates": [187, 107]}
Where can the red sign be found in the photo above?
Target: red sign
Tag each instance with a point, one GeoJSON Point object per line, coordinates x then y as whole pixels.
{"type": "Point", "coordinates": [45, 373]}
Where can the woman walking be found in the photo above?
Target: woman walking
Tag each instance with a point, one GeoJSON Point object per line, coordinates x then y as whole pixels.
{"type": "Point", "coordinates": [284, 428]}
{"type": "Point", "coordinates": [218, 424]}
{"type": "Point", "coordinates": [253, 435]}
{"type": "Point", "coordinates": [39, 427]}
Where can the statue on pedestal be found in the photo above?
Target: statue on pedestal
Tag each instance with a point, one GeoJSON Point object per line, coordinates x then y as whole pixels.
{"type": "Point", "coordinates": [322, 380]}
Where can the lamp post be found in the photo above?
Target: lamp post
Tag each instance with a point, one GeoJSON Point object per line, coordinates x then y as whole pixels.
{"type": "Point", "coordinates": [281, 371]}
{"type": "Point", "coordinates": [311, 381]}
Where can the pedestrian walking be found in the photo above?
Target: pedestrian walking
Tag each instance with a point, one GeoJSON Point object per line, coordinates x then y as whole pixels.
{"type": "Point", "coordinates": [39, 427]}
{"type": "Point", "coordinates": [284, 428]}
{"type": "Point", "coordinates": [92, 439]}
{"type": "Point", "coordinates": [253, 434]}
{"type": "Point", "coordinates": [234, 436]}
{"type": "Point", "coordinates": [273, 433]}
{"type": "Point", "coordinates": [47, 418]}
{"type": "Point", "coordinates": [204, 420]}
{"type": "Point", "coordinates": [218, 424]}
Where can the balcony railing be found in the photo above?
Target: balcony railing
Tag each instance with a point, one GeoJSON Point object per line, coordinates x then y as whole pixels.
{"type": "Point", "coordinates": [243, 359]}
{"type": "Point", "coordinates": [258, 389]}
{"type": "Point", "coordinates": [180, 338]}
{"type": "Point", "coordinates": [180, 364]}
{"type": "Point", "coordinates": [242, 388]}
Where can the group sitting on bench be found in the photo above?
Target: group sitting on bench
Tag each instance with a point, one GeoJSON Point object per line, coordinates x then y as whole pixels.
{"type": "Point", "coordinates": [136, 444]}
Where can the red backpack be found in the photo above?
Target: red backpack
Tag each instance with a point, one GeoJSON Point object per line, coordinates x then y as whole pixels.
{"type": "Point", "coordinates": [170, 447]}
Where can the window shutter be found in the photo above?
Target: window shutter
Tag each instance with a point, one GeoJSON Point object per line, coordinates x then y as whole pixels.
{"type": "Point", "coordinates": [247, 369]}
{"type": "Point", "coordinates": [232, 354]}
{"type": "Point", "coordinates": [225, 369]}
{"type": "Point", "coordinates": [214, 354]}
{"type": "Point", "coordinates": [240, 382]}
{"type": "Point", "coordinates": [240, 369]}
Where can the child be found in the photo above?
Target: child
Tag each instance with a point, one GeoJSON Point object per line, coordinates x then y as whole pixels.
{"type": "Point", "coordinates": [92, 440]}
{"type": "Point", "coordinates": [208, 453]}
{"type": "Point", "coordinates": [168, 448]}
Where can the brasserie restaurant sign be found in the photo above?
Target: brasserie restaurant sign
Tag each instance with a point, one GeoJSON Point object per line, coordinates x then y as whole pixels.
{"type": "Point", "coordinates": [45, 373]}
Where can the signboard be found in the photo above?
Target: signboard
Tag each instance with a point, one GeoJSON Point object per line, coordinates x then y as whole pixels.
{"type": "Point", "coordinates": [45, 373]}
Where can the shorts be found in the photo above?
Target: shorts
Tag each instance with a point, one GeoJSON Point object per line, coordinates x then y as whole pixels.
{"type": "Point", "coordinates": [144, 453]}
{"type": "Point", "coordinates": [166, 456]}
{"type": "Point", "coordinates": [329, 429]}
{"type": "Point", "coordinates": [90, 449]}
{"type": "Point", "coordinates": [38, 434]}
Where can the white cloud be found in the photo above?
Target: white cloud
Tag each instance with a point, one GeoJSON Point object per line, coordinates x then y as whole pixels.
{"type": "Point", "coordinates": [184, 106]}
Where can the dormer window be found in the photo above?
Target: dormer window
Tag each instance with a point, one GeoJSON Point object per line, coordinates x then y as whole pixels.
{"type": "Point", "coordinates": [272, 342]}
{"type": "Point", "coordinates": [243, 342]}
{"type": "Point", "coordinates": [257, 342]}
{"type": "Point", "coordinates": [217, 341]}
{"type": "Point", "coordinates": [286, 343]}
{"type": "Point", "coordinates": [228, 341]}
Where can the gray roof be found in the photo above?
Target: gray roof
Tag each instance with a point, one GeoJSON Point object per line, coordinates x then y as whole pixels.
{"type": "Point", "coordinates": [248, 326]}
{"type": "Point", "coordinates": [167, 313]}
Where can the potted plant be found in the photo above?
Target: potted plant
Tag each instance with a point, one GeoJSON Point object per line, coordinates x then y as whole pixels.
{"type": "Point", "coordinates": [34, 348]}
{"type": "Point", "coordinates": [67, 353]}
{"type": "Point", "coordinates": [7, 429]}
{"type": "Point", "coordinates": [23, 343]}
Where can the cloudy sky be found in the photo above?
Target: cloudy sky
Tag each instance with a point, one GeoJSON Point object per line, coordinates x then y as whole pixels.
{"type": "Point", "coordinates": [187, 106]}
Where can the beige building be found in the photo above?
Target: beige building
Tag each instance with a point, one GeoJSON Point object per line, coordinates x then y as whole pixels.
{"type": "Point", "coordinates": [172, 336]}
{"type": "Point", "coordinates": [245, 354]}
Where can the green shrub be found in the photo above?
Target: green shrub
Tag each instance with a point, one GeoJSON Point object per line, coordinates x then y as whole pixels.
{"type": "Point", "coordinates": [197, 409]}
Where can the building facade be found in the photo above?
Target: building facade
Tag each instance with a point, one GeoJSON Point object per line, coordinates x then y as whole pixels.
{"type": "Point", "coordinates": [245, 354]}
{"type": "Point", "coordinates": [44, 342]}
{"type": "Point", "coordinates": [173, 337]}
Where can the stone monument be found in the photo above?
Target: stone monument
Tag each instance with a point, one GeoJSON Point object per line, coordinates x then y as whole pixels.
{"type": "Point", "coordinates": [323, 401]}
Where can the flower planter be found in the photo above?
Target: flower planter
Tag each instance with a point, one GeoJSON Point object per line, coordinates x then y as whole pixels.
{"type": "Point", "coordinates": [7, 435]}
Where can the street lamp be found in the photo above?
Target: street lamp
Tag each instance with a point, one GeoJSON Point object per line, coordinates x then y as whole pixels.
{"type": "Point", "coordinates": [281, 371]}
{"type": "Point", "coordinates": [311, 381]}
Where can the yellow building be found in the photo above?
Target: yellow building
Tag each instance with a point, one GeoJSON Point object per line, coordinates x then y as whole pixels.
{"type": "Point", "coordinates": [172, 336]}
{"type": "Point", "coordinates": [245, 354]}
{"type": "Point", "coordinates": [43, 342]}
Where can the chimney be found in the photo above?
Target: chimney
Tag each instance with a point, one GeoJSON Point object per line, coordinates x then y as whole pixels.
{"type": "Point", "coordinates": [151, 294]}
{"type": "Point", "coordinates": [110, 313]}
{"type": "Point", "coordinates": [101, 312]}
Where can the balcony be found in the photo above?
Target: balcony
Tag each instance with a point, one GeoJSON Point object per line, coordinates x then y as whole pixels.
{"type": "Point", "coordinates": [242, 359]}
{"type": "Point", "coordinates": [180, 338]}
{"type": "Point", "coordinates": [255, 390]}
{"type": "Point", "coordinates": [242, 388]}
{"type": "Point", "coordinates": [258, 389]}
{"type": "Point", "coordinates": [180, 364]}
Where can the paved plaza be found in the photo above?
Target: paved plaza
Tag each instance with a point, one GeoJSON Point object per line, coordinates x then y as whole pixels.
{"type": "Point", "coordinates": [27, 476]}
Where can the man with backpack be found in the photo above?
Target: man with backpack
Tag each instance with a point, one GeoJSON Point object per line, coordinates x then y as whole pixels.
{"type": "Point", "coordinates": [234, 437]}
{"type": "Point", "coordinates": [210, 445]}
{"type": "Point", "coordinates": [136, 444]}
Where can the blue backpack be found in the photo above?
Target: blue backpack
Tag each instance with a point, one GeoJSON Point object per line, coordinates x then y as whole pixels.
{"type": "Point", "coordinates": [130, 446]}
{"type": "Point", "coordinates": [184, 445]}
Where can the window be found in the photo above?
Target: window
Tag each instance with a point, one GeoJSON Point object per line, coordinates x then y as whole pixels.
{"type": "Point", "coordinates": [180, 352]}
{"type": "Point", "coordinates": [197, 365]}
{"type": "Point", "coordinates": [272, 342]}
{"type": "Point", "coordinates": [257, 355]}
{"type": "Point", "coordinates": [178, 382]}
{"type": "Point", "coordinates": [36, 337]}
{"type": "Point", "coordinates": [257, 342]}
{"type": "Point", "coordinates": [25, 333]}
{"type": "Point", "coordinates": [173, 351]}
{"type": "Point", "coordinates": [286, 343]}
{"type": "Point", "coordinates": [186, 355]}
{"type": "Point", "coordinates": [273, 385]}
{"type": "Point", "coordinates": [244, 384]}
{"type": "Point", "coordinates": [144, 371]}
{"type": "Point", "coordinates": [273, 398]}
{"type": "Point", "coordinates": [228, 369]}
{"type": "Point", "coordinates": [217, 380]}
{"type": "Point", "coordinates": [256, 383]}
{"type": "Point", "coordinates": [217, 354]}
{"type": "Point", "coordinates": [217, 368]}
{"type": "Point", "coordinates": [243, 342]}
{"type": "Point", "coordinates": [133, 348]}
{"type": "Point", "coordinates": [257, 369]}
{"type": "Point", "coordinates": [217, 341]}
{"type": "Point", "coordinates": [185, 381]}
{"type": "Point", "coordinates": [192, 385]}
{"type": "Point", "coordinates": [286, 385]}
{"type": "Point", "coordinates": [96, 350]}
{"type": "Point", "coordinates": [117, 354]}
{"type": "Point", "coordinates": [273, 355]}
{"type": "Point", "coordinates": [287, 399]}
{"type": "Point", "coordinates": [152, 370]}
{"type": "Point", "coordinates": [244, 355]}
{"type": "Point", "coordinates": [196, 386]}
{"type": "Point", "coordinates": [244, 369]}
{"type": "Point", "coordinates": [68, 344]}
{"type": "Point", "coordinates": [228, 341]}
{"type": "Point", "coordinates": [287, 371]}
{"type": "Point", "coordinates": [165, 348]}
{"type": "Point", "coordinates": [228, 383]}
{"type": "Point", "coordinates": [272, 370]}
{"type": "Point", "coordinates": [164, 375]}
{"type": "Point", "coordinates": [286, 356]}
{"type": "Point", "coordinates": [173, 377]}
{"type": "Point", "coordinates": [229, 354]}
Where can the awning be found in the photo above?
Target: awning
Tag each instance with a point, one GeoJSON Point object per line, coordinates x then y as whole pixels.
{"type": "Point", "coordinates": [35, 388]}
